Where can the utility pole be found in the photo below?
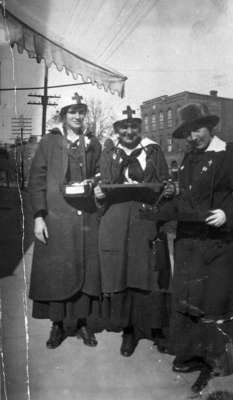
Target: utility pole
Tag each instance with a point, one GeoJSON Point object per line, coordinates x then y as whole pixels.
{"type": "Point", "coordinates": [44, 100]}
{"type": "Point", "coordinates": [20, 126]}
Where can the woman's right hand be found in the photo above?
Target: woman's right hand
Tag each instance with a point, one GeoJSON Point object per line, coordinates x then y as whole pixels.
{"type": "Point", "coordinates": [41, 230]}
{"type": "Point", "coordinates": [99, 194]}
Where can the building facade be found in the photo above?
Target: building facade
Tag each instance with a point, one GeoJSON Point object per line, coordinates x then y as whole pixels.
{"type": "Point", "coordinates": [160, 118]}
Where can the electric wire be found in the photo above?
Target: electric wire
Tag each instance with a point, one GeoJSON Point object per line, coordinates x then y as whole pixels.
{"type": "Point", "coordinates": [79, 23]}
{"type": "Point", "coordinates": [75, 18]}
{"type": "Point", "coordinates": [94, 16]}
{"type": "Point", "coordinates": [118, 26]}
{"type": "Point", "coordinates": [123, 25]}
{"type": "Point", "coordinates": [131, 30]}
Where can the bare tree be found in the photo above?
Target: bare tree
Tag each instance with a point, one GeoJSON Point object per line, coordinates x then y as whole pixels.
{"type": "Point", "coordinates": [100, 119]}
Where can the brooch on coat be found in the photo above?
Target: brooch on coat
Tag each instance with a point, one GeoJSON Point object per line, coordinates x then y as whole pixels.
{"type": "Point", "coordinates": [114, 156]}
{"type": "Point", "coordinates": [205, 168]}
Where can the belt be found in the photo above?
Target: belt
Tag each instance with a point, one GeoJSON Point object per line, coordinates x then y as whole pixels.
{"type": "Point", "coordinates": [201, 231]}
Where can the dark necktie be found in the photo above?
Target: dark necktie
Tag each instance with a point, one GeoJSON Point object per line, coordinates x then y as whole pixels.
{"type": "Point", "coordinates": [135, 170]}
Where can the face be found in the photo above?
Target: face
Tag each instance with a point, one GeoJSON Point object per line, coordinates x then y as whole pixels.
{"type": "Point", "coordinates": [129, 132]}
{"type": "Point", "coordinates": [74, 119]}
{"type": "Point", "coordinates": [199, 138]}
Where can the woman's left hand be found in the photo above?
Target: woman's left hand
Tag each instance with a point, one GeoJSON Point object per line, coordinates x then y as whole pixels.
{"type": "Point", "coordinates": [217, 218]}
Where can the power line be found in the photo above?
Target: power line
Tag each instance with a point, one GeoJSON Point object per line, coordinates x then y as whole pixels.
{"type": "Point", "coordinates": [87, 18]}
{"type": "Point", "coordinates": [81, 17]}
{"type": "Point", "coordinates": [130, 22]}
{"type": "Point", "coordinates": [117, 23]}
{"type": "Point", "coordinates": [124, 22]}
{"type": "Point", "coordinates": [74, 16]}
{"type": "Point", "coordinates": [93, 17]}
{"type": "Point", "coordinates": [70, 14]}
{"type": "Point", "coordinates": [113, 25]}
{"type": "Point", "coordinates": [130, 31]}
{"type": "Point", "coordinates": [129, 27]}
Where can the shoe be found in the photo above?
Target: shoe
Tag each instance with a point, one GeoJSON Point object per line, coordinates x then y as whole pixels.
{"type": "Point", "coordinates": [202, 380]}
{"type": "Point", "coordinates": [188, 366]}
{"type": "Point", "coordinates": [56, 337]}
{"type": "Point", "coordinates": [128, 344]}
{"type": "Point", "coordinates": [194, 364]}
{"type": "Point", "coordinates": [87, 336]}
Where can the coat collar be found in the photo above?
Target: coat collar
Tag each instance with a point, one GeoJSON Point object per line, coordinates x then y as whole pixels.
{"type": "Point", "coordinates": [143, 143]}
{"type": "Point", "coordinates": [216, 145]}
{"type": "Point", "coordinates": [58, 129]}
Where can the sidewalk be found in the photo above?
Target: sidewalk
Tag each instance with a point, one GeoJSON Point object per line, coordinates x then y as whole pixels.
{"type": "Point", "coordinates": [73, 371]}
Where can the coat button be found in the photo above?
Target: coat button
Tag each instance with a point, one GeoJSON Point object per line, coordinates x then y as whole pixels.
{"type": "Point", "coordinates": [79, 212]}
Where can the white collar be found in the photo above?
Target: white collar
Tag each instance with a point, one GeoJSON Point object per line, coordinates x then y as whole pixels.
{"type": "Point", "coordinates": [144, 142]}
{"type": "Point", "coordinates": [216, 145]}
{"type": "Point", "coordinates": [60, 127]}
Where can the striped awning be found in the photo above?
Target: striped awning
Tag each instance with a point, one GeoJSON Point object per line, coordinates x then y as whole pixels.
{"type": "Point", "coordinates": [40, 47]}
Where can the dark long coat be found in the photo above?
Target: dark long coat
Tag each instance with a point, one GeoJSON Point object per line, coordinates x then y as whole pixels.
{"type": "Point", "coordinates": [203, 273]}
{"type": "Point", "coordinates": [69, 262]}
{"type": "Point", "coordinates": [125, 240]}
{"type": "Point", "coordinates": [207, 183]}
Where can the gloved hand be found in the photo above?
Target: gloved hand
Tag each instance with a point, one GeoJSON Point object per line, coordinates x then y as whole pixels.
{"type": "Point", "coordinates": [148, 212]}
{"type": "Point", "coordinates": [99, 194]}
{"type": "Point", "coordinates": [41, 230]}
{"type": "Point", "coordinates": [216, 218]}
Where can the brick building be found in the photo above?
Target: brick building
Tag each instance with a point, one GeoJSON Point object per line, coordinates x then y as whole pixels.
{"type": "Point", "coordinates": [159, 117]}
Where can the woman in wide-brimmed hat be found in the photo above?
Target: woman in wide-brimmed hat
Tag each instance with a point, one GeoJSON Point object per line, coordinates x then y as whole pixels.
{"type": "Point", "coordinates": [201, 326]}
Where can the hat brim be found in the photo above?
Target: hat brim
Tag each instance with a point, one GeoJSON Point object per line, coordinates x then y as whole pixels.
{"type": "Point", "coordinates": [118, 124]}
{"type": "Point", "coordinates": [183, 130]}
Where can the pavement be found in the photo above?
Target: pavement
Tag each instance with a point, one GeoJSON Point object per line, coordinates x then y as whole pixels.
{"type": "Point", "coordinates": [73, 371]}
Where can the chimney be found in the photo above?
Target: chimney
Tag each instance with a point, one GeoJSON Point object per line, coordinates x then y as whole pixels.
{"type": "Point", "coordinates": [214, 93]}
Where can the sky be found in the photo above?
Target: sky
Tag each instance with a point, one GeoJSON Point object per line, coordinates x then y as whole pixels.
{"type": "Point", "coordinates": [177, 45]}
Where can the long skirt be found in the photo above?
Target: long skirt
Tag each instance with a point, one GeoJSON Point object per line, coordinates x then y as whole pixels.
{"type": "Point", "coordinates": [79, 307]}
{"type": "Point", "coordinates": [143, 311]}
{"type": "Point", "coordinates": [201, 322]}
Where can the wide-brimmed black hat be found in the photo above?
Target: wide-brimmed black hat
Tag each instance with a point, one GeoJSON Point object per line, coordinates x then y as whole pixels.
{"type": "Point", "coordinates": [130, 120]}
{"type": "Point", "coordinates": [194, 116]}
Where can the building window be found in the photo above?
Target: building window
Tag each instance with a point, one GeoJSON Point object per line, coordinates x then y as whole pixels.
{"type": "Point", "coordinates": [161, 120]}
{"type": "Point", "coordinates": [177, 115]}
{"type": "Point", "coordinates": [169, 118]}
{"type": "Point", "coordinates": [146, 123]}
{"type": "Point", "coordinates": [169, 145]}
{"type": "Point", "coordinates": [154, 107]}
{"type": "Point", "coordinates": [153, 122]}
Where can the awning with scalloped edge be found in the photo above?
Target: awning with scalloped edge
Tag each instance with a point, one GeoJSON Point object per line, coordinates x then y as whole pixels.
{"type": "Point", "coordinates": [39, 47]}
